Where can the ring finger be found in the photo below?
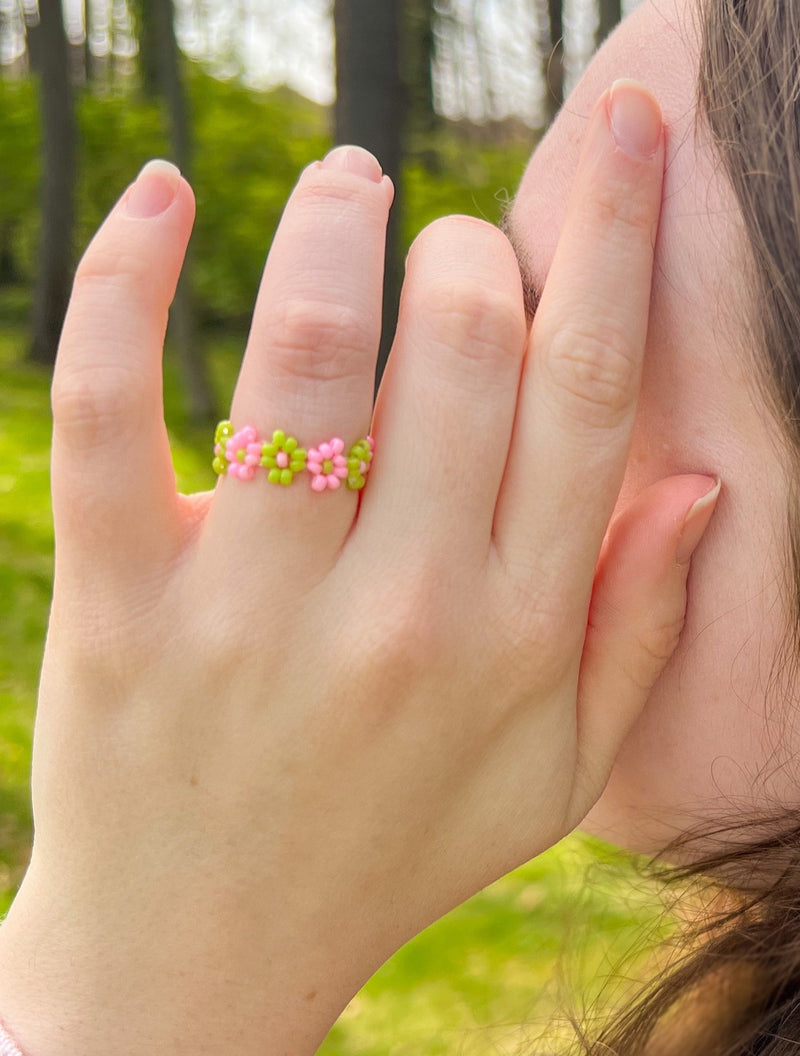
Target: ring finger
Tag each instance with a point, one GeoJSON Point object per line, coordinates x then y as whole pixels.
{"type": "Point", "coordinates": [309, 366]}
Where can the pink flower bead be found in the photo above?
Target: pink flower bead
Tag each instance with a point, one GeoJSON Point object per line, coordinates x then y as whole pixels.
{"type": "Point", "coordinates": [327, 465]}
{"type": "Point", "coordinates": [243, 472]}
{"type": "Point", "coordinates": [243, 452]}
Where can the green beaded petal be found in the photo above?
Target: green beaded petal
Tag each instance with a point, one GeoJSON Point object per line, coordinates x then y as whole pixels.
{"type": "Point", "coordinates": [223, 431]}
{"type": "Point", "coordinates": [359, 452]}
{"type": "Point", "coordinates": [219, 465]}
{"type": "Point", "coordinates": [280, 476]}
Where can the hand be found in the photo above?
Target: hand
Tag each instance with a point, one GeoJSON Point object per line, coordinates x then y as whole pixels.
{"type": "Point", "coordinates": [280, 732]}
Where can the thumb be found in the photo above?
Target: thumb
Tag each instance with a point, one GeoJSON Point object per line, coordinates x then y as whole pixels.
{"type": "Point", "coordinates": [636, 616]}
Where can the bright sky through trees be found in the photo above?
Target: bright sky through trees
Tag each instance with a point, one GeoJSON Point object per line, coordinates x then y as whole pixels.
{"type": "Point", "coordinates": [487, 65]}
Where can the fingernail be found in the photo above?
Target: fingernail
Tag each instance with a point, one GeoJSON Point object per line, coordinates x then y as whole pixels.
{"type": "Point", "coordinates": [635, 119]}
{"type": "Point", "coordinates": [696, 522]}
{"type": "Point", "coordinates": [356, 160]}
{"type": "Point", "coordinates": [154, 190]}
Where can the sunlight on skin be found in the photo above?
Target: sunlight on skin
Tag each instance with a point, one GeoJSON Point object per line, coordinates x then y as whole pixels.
{"type": "Point", "coordinates": [702, 737]}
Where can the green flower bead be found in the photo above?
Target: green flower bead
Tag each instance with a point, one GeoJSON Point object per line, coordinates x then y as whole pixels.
{"type": "Point", "coordinates": [223, 431]}
{"type": "Point", "coordinates": [288, 446]}
{"type": "Point", "coordinates": [359, 452]}
{"type": "Point", "coordinates": [220, 466]}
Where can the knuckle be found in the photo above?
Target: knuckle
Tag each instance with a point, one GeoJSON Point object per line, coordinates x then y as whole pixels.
{"type": "Point", "coordinates": [310, 338]}
{"type": "Point", "coordinates": [398, 643]}
{"type": "Point", "coordinates": [482, 323]}
{"type": "Point", "coordinates": [645, 654]}
{"type": "Point", "coordinates": [656, 643]}
{"type": "Point", "coordinates": [622, 208]}
{"type": "Point", "coordinates": [93, 406]}
{"type": "Point", "coordinates": [105, 270]}
{"type": "Point", "coordinates": [597, 369]}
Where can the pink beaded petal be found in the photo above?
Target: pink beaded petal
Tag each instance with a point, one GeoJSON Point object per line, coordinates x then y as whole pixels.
{"type": "Point", "coordinates": [337, 445]}
{"type": "Point", "coordinates": [326, 451]}
{"type": "Point", "coordinates": [253, 456]}
{"type": "Point", "coordinates": [319, 483]}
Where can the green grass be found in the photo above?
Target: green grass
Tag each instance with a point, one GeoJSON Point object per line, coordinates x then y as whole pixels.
{"type": "Point", "coordinates": [485, 979]}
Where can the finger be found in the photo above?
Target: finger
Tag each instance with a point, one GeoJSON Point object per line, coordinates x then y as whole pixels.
{"type": "Point", "coordinates": [445, 409]}
{"type": "Point", "coordinates": [581, 379]}
{"type": "Point", "coordinates": [113, 485]}
{"type": "Point", "coordinates": [636, 615]}
{"type": "Point", "coordinates": [309, 368]}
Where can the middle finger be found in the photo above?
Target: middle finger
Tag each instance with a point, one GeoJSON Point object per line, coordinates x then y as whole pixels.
{"type": "Point", "coordinates": [446, 404]}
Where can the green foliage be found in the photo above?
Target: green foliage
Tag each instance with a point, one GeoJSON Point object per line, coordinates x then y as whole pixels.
{"type": "Point", "coordinates": [19, 173]}
{"type": "Point", "coordinates": [250, 148]}
{"type": "Point", "coordinates": [117, 136]}
{"type": "Point", "coordinates": [470, 177]}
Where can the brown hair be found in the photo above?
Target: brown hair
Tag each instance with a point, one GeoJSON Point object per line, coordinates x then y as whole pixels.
{"type": "Point", "coordinates": [735, 991]}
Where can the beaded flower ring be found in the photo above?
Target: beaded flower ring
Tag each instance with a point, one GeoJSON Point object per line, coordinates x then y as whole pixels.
{"type": "Point", "coordinates": [240, 453]}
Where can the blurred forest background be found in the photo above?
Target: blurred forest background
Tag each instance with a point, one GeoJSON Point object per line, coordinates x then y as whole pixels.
{"type": "Point", "coordinates": [452, 96]}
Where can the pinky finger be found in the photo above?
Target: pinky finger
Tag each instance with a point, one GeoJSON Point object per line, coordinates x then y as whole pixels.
{"type": "Point", "coordinates": [636, 617]}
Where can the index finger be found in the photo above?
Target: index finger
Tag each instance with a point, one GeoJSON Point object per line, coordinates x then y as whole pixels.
{"type": "Point", "coordinates": [580, 383]}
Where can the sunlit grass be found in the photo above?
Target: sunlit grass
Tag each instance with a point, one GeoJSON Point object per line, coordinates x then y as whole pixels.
{"type": "Point", "coordinates": [483, 980]}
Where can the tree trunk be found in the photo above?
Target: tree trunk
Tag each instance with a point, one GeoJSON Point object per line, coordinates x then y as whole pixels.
{"type": "Point", "coordinates": [158, 29]}
{"type": "Point", "coordinates": [150, 47]}
{"type": "Point", "coordinates": [371, 112]}
{"type": "Point", "coordinates": [54, 272]}
{"type": "Point", "coordinates": [418, 46]}
{"type": "Point", "coordinates": [553, 60]}
{"type": "Point", "coordinates": [610, 15]}
{"type": "Point", "coordinates": [9, 273]}
{"type": "Point", "coordinates": [89, 65]}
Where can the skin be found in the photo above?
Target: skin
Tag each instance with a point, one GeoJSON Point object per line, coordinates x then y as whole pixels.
{"type": "Point", "coordinates": [279, 733]}
{"type": "Point", "coordinates": [711, 738]}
